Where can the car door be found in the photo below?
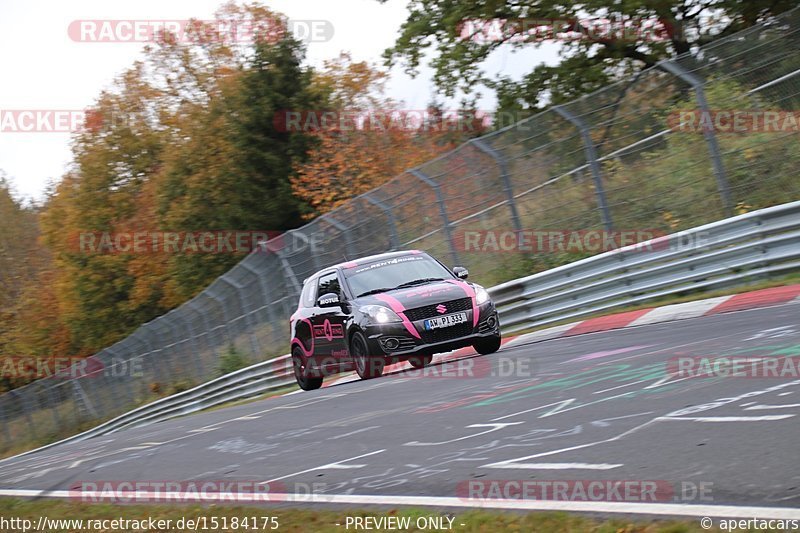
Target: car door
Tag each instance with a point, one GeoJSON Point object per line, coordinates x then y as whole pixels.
{"type": "Point", "coordinates": [329, 322]}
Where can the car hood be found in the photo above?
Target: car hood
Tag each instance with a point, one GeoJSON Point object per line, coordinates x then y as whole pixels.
{"type": "Point", "coordinates": [421, 295]}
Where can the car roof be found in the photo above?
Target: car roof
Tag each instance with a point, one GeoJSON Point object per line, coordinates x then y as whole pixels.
{"type": "Point", "coordinates": [364, 260]}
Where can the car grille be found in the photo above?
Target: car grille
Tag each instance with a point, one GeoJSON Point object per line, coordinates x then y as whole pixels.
{"type": "Point", "coordinates": [429, 311]}
{"type": "Point", "coordinates": [447, 334]}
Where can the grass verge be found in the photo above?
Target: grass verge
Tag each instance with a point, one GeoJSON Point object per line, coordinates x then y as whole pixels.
{"type": "Point", "coordinates": [303, 520]}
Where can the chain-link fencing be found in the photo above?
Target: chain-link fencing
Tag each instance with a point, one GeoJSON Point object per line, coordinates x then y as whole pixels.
{"type": "Point", "coordinates": [626, 157]}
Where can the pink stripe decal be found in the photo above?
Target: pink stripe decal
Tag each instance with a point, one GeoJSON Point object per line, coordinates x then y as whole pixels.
{"type": "Point", "coordinates": [471, 293]}
{"type": "Point", "coordinates": [307, 353]}
{"type": "Point", "coordinates": [398, 308]}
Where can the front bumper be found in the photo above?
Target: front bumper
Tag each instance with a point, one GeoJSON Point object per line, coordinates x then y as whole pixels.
{"type": "Point", "coordinates": [395, 341]}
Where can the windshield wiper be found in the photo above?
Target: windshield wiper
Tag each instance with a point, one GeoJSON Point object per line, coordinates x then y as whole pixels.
{"type": "Point", "coordinates": [374, 291]}
{"type": "Point", "coordinates": [417, 282]}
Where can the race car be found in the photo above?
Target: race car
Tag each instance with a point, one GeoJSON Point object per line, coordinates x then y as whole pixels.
{"type": "Point", "coordinates": [399, 306]}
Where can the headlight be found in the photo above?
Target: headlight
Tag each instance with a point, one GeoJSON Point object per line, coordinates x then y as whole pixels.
{"type": "Point", "coordinates": [379, 314]}
{"type": "Point", "coordinates": [481, 295]}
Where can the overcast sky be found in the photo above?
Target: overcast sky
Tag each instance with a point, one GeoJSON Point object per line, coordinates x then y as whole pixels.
{"type": "Point", "coordinates": [44, 69]}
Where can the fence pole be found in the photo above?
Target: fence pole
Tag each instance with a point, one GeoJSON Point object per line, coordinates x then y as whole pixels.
{"type": "Point", "coordinates": [507, 187]}
{"type": "Point", "coordinates": [289, 274]}
{"type": "Point", "coordinates": [394, 238]}
{"type": "Point", "coordinates": [6, 430]}
{"type": "Point", "coordinates": [192, 305]}
{"type": "Point", "coordinates": [210, 293]}
{"type": "Point", "coordinates": [265, 298]}
{"type": "Point", "coordinates": [344, 230]}
{"type": "Point", "coordinates": [238, 287]}
{"type": "Point", "coordinates": [442, 211]}
{"type": "Point", "coordinates": [591, 158]}
{"type": "Point", "coordinates": [711, 138]}
{"type": "Point", "coordinates": [128, 377]}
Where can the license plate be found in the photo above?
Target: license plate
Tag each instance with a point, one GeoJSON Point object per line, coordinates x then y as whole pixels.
{"type": "Point", "coordinates": [445, 321]}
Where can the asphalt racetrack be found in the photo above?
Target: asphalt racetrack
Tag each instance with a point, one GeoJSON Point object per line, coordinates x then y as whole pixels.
{"type": "Point", "coordinates": [604, 406]}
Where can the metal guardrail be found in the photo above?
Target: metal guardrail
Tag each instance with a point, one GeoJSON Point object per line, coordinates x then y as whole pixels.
{"type": "Point", "coordinates": [720, 254]}
{"type": "Point", "coordinates": [724, 253]}
{"type": "Point", "coordinates": [248, 382]}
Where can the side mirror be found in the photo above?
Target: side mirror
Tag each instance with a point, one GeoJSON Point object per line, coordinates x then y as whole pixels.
{"type": "Point", "coordinates": [461, 272]}
{"type": "Point", "coordinates": [328, 299]}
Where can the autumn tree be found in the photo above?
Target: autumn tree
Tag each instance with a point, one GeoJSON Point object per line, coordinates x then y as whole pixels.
{"type": "Point", "coordinates": [370, 138]}
{"type": "Point", "coordinates": [184, 141]}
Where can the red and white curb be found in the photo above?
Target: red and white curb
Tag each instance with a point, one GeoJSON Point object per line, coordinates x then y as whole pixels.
{"type": "Point", "coordinates": [669, 313]}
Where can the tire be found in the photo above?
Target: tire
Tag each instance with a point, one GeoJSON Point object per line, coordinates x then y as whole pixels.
{"type": "Point", "coordinates": [420, 361]}
{"type": "Point", "coordinates": [487, 345]}
{"type": "Point", "coordinates": [305, 382]}
{"type": "Point", "coordinates": [366, 367]}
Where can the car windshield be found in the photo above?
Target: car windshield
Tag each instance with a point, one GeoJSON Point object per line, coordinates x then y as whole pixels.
{"type": "Point", "coordinates": [392, 273]}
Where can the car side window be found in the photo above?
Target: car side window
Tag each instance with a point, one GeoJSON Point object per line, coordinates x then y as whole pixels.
{"type": "Point", "coordinates": [329, 283]}
{"type": "Point", "coordinates": [307, 296]}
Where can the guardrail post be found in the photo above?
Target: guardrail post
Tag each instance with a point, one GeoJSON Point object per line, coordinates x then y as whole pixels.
{"type": "Point", "coordinates": [711, 138]}
{"type": "Point", "coordinates": [507, 187]}
{"type": "Point", "coordinates": [591, 158]}
{"type": "Point", "coordinates": [394, 239]}
{"type": "Point", "coordinates": [442, 211]}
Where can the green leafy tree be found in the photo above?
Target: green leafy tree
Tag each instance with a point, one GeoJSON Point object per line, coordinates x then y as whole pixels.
{"type": "Point", "coordinates": [587, 63]}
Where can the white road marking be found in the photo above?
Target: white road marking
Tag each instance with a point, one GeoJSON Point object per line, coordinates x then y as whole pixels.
{"type": "Point", "coordinates": [562, 466]}
{"type": "Point", "coordinates": [662, 509]}
{"type": "Point", "coordinates": [760, 406]}
{"type": "Point", "coordinates": [337, 464]}
{"type": "Point", "coordinates": [353, 432]}
{"type": "Point", "coordinates": [502, 464]}
{"type": "Point", "coordinates": [765, 418]}
{"type": "Point", "coordinates": [493, 427]}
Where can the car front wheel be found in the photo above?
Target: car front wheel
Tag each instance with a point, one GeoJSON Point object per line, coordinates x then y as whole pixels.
{"type": "Point", "coordinates": [366, 367]}
{"type": "Point", "coordinates": [487, 345]}
{"type": "Point", "coordinates": [305, 381]}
